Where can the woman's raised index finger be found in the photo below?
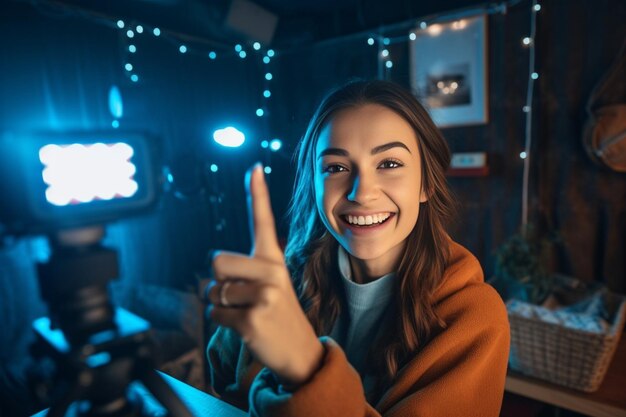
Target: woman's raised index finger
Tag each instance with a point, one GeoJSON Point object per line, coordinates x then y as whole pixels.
{"type": "Point", "coordinates": [261, 218]}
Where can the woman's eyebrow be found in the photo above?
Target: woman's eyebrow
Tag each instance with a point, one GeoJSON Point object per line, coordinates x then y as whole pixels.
{"type": "Point", "coordinates": [376, 150]}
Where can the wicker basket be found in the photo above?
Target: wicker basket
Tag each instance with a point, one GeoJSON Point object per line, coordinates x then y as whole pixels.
{"type": "Point", "coordinates": [567, 357]}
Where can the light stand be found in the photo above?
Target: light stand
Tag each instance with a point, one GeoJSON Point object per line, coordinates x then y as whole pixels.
{"type": "Point", "coordinates": [97, 350]}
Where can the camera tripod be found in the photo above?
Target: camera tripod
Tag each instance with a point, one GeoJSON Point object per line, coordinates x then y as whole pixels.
{"type": "Point", "coordinates": [97, 350]}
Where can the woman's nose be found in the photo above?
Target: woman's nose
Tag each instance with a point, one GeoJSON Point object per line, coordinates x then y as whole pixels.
{"type": "Point", "coordinates": [364, 189]}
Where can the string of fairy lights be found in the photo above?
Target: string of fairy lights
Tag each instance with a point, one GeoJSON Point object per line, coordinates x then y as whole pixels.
{"type": "Point", "coordinates": [432, 25]}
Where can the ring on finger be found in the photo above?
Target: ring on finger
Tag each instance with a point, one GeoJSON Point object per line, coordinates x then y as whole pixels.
{"type": "Point", "coordinates": [222, 294]}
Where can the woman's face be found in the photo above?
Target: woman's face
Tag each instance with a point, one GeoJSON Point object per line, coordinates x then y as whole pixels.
{"type": "Point", "coordinates": [368, 182]}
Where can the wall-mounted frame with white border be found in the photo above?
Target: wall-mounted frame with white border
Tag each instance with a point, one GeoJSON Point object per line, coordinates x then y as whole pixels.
{"type": "Point", "coordinates": [449, 71]}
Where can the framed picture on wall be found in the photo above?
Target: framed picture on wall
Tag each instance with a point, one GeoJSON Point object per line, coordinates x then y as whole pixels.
{"type": "Point", "coordinates": [449, 70]}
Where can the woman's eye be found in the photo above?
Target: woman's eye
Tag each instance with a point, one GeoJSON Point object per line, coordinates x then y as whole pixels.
{"type": "Point", "coordinates": [332, 169]}
{"type": "Point", "coordinates": [390, 163]}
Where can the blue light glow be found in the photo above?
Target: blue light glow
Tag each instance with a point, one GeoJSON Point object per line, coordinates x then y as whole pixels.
{"type": "Point", "coordinates": [256, 46]}
{"type": "Point", "coordinates": [267, 170]}
{"type": "Point", "coordinates": [212, 55]}
{"type": "Point", "coordinates": [81, 173]}
{"type": "Point", "coordinates": [270, 53]}
{"type": "Point", "coordinates": [267, 93]}
{"type": "Point", "coordinates": [276, 144]}
{"type": "Point", "coordinates": [534, 75]}
{"type": "Point", "coordinates": [139, 29]}
{"type": "Point", "coordinates": [370, 41]}
{"type": "Point", "coordinates": [214, 168]}
{"type": "Point", "coordinates": [412, 36]}
{"type": "Point", "coordinates": [130, 33]}
{"type": "Point", "coordinates": [120, 24]}
{"type": "Point", "coordinates": [115, 124]}
{"type": "Point", "coordinates": [385, 53]}
{"type": "Point", "coordinates": [265, 144]}
{"type": "Point", "coordinates": [268, 76]}
{"type": "Point", "coordinates": [389, 64]}
{"type": "Point", "coordinates": [266, 59]}
{"type": "Point", "coordinates": [238, 48]}
{"type": "Point", "coordinates": [229, 137]}
{"type": "Point", "coordinates": [386, 41]}
{"type": "Point", "coordinates": [98, 359]}
{"type": "Point", "coordinates": [134, 78]}
{"type": "Point", "coordinates": [116, 106]}
{"type": "Point", "coordinates": [132, 49]}
{"type": "Point", "coordinates": [260, 112]}
{"type": "Point", "coordinates": [242, 54]}
{"type": "Point", "coordinates": [182, 49]}
{"type": "Point", "coordinates": [128, 67]}
{"type": "Point", "coordinates": [156, 32]}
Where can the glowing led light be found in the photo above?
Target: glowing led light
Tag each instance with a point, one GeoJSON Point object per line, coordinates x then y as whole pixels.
{"type": "Point", "coordinates": [435, 30]}
{"type": "Point", "coordinates": [526, 109]}
{"type": "Point", "coordinates": [134, 78]}
{"type": "Point", "coordinates": [267, 93]}
{"type": "Point", "coordinates": [214, 168]}
{"type": "Point", "coordinates": [212, 55]}
{"type": "Point", "coordinates": [389, 64]}
{"type": "Point", "coordinates": [156, 32]}
{"type": "Point", "coordinates": [270, 53]}
{"type": "Point", "coordinates": [229, 137]}
{"type": "Point", "coordinates": [412, 36]}
{"type": "Point", "coordinates": [370, 41]}
{"type": "Point", "coordinates": [242, 54]}
{"type": "Point", "coordinates": [256, 46]}
{"type": "Point", "coordinates": [238, 48]}
{"type": "Point", "coordinates": [276, 144]}
{"type": "Point", "coordinates": [523, 154]}
{"type": "Point", "coordinates": [132, 49]}
{"type": "Point", "coordinates": [116, 106]}
{"type": "Point", "coordinates": [268, 76]}
{"type": "Point", "coordinates": [81, 173]}
{"type": "Point", "coordinates": [265, 144]}
{"type": "Point", "coordinates": [527, 41]}
{"type": "Point", "coordinates": [115, 124]}
{"type": "Point", "coordinates": [120, 24]}
{"type": "Point", "coordinates": [260, 112]}
{"type": "Point", "coordinates": [537, 7]}
{"type": "Point", "coordinates": [459, 24]}
{"type": "Point", "coordinates": [128, 67]}
{"type": "Point", "coordinates": [534, 75]}
{"type": "Point", "coordinates": [139, 29]}
{"type": "Point", "coordinates": [182, 49]}
{"type": "Point", "coordinates": [266, 59]}
{"type": "Point", "coordinates": [130, 33]}
{"type": "Point", "coordinates": [423, 25]}
{"type": "Point", "coordinates": [385, 53]}
{"type": "Point", "coordinates": [386, 41]}
{"type": "Point", "coordinates": [267, 170]}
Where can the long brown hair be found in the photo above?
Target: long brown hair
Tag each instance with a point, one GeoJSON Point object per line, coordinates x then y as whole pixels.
{"type": "Point", "coordinates": [311, 251]}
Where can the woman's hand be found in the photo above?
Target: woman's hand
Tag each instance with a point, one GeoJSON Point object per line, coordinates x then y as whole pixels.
{"type": "Point", "coordinates": [254, 295]}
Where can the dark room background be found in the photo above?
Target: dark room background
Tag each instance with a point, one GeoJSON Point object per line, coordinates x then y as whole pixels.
{"type": "Point", "coordinates": [57, 65]}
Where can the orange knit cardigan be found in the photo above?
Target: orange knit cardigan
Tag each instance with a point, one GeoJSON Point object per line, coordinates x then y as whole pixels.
{"type": "Point", "coordinates": [459, 372]}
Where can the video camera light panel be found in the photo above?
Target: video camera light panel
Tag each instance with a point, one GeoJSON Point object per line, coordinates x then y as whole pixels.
{"type": "Point", "coordinates": [82, 173]}
{"type": "Point", "coordinates": [57, 181]}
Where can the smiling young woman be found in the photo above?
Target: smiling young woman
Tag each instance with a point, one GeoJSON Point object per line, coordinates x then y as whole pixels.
{"type": "Point", "coordinates": [373, 310]}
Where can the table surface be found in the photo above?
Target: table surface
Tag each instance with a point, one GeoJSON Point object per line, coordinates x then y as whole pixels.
{"type": "Point", "coordinates": [608, 401]}
{"type": "Point", "coordinates": [199, 403]}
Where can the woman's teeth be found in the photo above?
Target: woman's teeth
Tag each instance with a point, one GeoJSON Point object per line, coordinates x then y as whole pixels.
{"type": "Point", "coordinates": [367, 220]}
